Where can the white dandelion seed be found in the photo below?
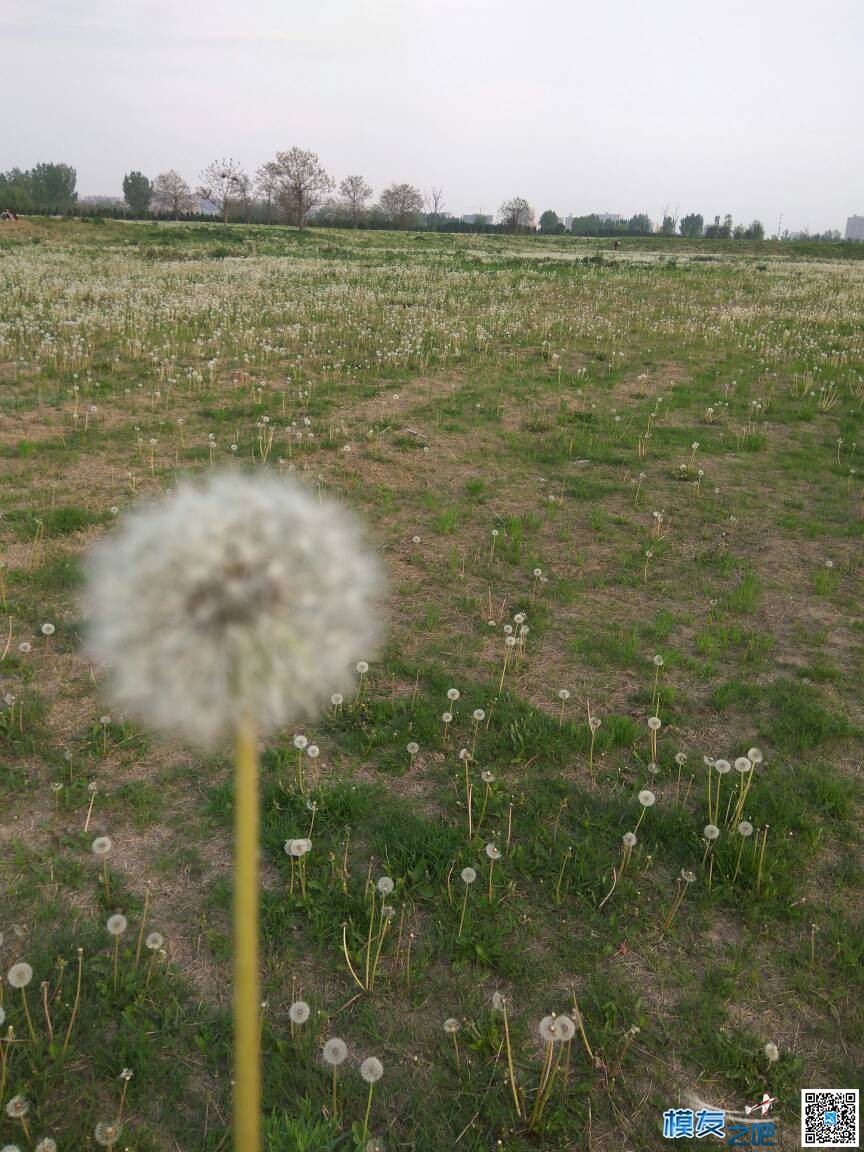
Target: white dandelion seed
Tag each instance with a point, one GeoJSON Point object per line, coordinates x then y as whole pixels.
{"type": "Point", "coordinates": [25, 647]}
{"type": "Point", "coordinates": [451, 1026]}
{"type": "Point", "coordinates": [154, 941]}
{"type": "Point", "coordinates": [101, 845]}
{"type": "Point", "coordinates": [654, 723]}
{"type": "Point", "coordinates": [108, 1134]}
{"type": "Point", "coordinates": [371, 1069]}
{"type": "Point", "coordinates": [336, 699]}
{"type": "Point", "coordinates": [772, 1052]}
{"type": "Point", "coordinates": [300, 742]}
{"type": "Point", "coordinates": [385, 885]}
{"type": "Point", "coordinates": [745, 828]}
{"type": "Point", "coordinates": [487, 777]}
{"type": "Point", "coordinates": [478, 714]}
{"type": "Point", "coordinates": [722, 766]}
{"type": "Point", "coordinates": [19, 975]}
{"type": "Point", "coordinates": [299, 1012]}
{"type": "Point", "coordinates": [687, 876]}
{"type": "Point", "coordinates": [754, 755]}
{"type": "Point", "coordinates": [453, 694]}
{"type": "Point", "coordinates": [335, 1051]}
{"type": "Point", "coordinates": [563, 694]}
{"type": "Point", "coordinates": [412, 748]}
{"type": "Point", "coordinates": [711, 831]}
{"type": "Point", "coordinates": [17, 1107]}
{"type": "Point", "coordinates": [46, 1144]}
{"type": "Point", "coordinates": [468, 875]}
{"type": "Point", "coordinates": [647, 798]}
{"type": "Point", "coordinates": [680, 759]}
{"type": "Point", "coordinates": [117, 924]}
{"type": "Point", "coordinates": [447, 717]}
{"type": "Point", "coordinates": [243, 598]}
{"type": "Point", "coordinates": [493, 851]}
{"type": "Point", "coordinates": [47, 629]}
{"type": "Point", "coordinates": [362, 667]}
{"type": "Point", "coordinates": [313, 751]}
{"type": "Point", "coordinates": [629, 839]}
{"type": "Point", "coordinates": [742, 764]}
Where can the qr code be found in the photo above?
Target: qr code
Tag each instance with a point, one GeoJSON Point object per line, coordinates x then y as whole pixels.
{"type": "Point", "coordinates": [829, 1117]}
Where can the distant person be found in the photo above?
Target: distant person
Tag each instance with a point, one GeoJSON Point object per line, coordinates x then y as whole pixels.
{"type": "Point", "coordinates": [616, 245]}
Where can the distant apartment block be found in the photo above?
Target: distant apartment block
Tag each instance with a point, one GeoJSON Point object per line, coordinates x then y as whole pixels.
{"type": "Point", "coordinates": [855, 228]}
{"type": "Point", "coordinates": [477, 218]}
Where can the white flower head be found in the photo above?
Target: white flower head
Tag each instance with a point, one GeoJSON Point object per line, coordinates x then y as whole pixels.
{"type": "Point", "coordinates": [371, 1069]}
{"type": "Point", "coordinates": [335, 1051]}
{"type": "Point", "coordinates": [772, 1053]}
{"type": "Point", "coordinates": [646, 798]}
{"type": "Point", "coordinates": [117, 924]}
{"type": "Point", "coordinates": [629, 839]}
{"type": "Point", "coordinates": [101, 845]}
{"type": "Point", "coordinates": [478, 714]}
{"type": "Point", "coordinates": [299, 1012]}
{"type": "Point", "coordinates": [711, 832]}
{"type": "Point", "coordinates": [468, 875]}
{"type": "Point", "coordinates": [385, 885]}
{"type": "Point", "coordinates": [722, 766]}
{"type": "Point", "coordinates": [19, 975]}
{"type": "Point", "coordinates": [244, 597]}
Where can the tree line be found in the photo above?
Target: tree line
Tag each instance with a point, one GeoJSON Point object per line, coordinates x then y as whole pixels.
{"type": "Point", "coordinates": [295, 188]}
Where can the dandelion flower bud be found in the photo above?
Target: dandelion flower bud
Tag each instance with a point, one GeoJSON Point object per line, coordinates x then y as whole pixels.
{"type": "Point", "coordinates": [478, 714]}
{"type": "Point", "coordinates": [629, 839]}
{"type": "Point", "coordinates": [17, 1107]}
{"type": "Point", "coordinates": [335, 1051]}
{"type": "Point", "coordinates": [371, 1069]}
{"type": "Point", "coordinates": [468, 875]}
{"type": "Point", "coordinates": [154, 941]}
{"type": "Point", "coordinates": [19, 975]}
{"type": "Point", "coordinates": [745, 828]}
{"type": "Point", "coordinates": [299, 1012]}
{"type": "Point", "coordinates": [772, 1053]}
{"type": "Point", "coordinates": [646, 798]}
{"type": "Point", "coordinates": [243, 598]}
{"type": "Point", "coordinates": [385, 885]}
{"type": "Point", "coordinates": [451, 1026]}
{"type": "Point", "coordinates": [117, 924]}
{"type": "Point", "coordinates": [711, 831]}
{"type": "Point", "coordinates": [493, 851]}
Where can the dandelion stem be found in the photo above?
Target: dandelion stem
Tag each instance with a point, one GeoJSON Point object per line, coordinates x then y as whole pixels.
{"type": "Point", "coordinates": [357, 979]}
{"type": "Point", "coordinates": [247, 1072]}
{"type": "Point", "coordinates": [30, 1027]}
{"type": "Point", "coordinates": [368, 1112]}
{"type": "Point", "coordinates": [514, 1087]}
{"type": "Point", "coordinates": [75, 1004]}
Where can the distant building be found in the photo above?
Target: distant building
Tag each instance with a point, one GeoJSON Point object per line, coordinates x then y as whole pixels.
{"type": "Point", "coordinates": [477, 218]}
{"type": "Point", "coordinates": [855, 228]}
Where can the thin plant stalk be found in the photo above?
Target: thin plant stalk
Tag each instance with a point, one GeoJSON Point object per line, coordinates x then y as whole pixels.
{"type": "Point", "coordinates": [247, 1070]}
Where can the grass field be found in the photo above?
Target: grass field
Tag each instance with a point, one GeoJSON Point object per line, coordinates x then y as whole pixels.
{"type": "Point", "coordinates": [644, 454]}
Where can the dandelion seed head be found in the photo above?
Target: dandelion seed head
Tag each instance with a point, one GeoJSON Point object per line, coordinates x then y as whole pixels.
{"type": "Point", "coordinates": [772, 1052]}
{"type": "Point", "coordinates": [566, 1029]}
{"type": "Point", "coordinates": [478, 714]}
{"type": "Point", "coordinates": [754, 755]}
{"type": "Point", "coordinates": [101, 845]}
{"type": "Point", "coordinates": [468, 875]}
{"type": "Point", "coordinates": [563, 694]}
{"type": "Point", "coordinates": [447, 717]}
{"type": "Point", "coordinates": [493, 851]}
{"type": "Point", "coordinates": [453, 694]}
{"type": "Point", "coordinates": [687, 876]}
{"type": "Point", "coordinates": [412, 748]}
{"type": "Point", "coordinates": [551, 1030]}
{"type": "Point", "coordinates": [245, 597]}
{"type": "Point", "coordinates": [47, 629]}
{"type": "Point", "coordinates": [711, 831]}
{"type": "Point", "coordinates": [451, 1026]}
{"type": "Point", "coordinates": [25, 647]}
{"type": "Point", "coordinates": [647, 798]}
{"type": "Point", "coordinates": [300, 742]}
{"type": "Point", "coordinates": [46, 1144]}
{"type": "Point", "coordinates": [336, 699]}
{"type": "Point", "coordinates": [371, 1069]}
{"type": "Point", "coordinates": [654, 723]}
{"type": "Point", "coordinates": [385, 885]}
{"type": "Point", "coordinates": [299, 1012]}
{"type": "Point", "coordinates": [335, 1051]}
{"type": "Point", "coordinates": [745, 828]}
{"type": "Point", "coordinates": [742, 764]}
{"type": "Point", "coordinates": [487, 777]}
{"type": "Point", "coordinates": [362, 667]}
{"type": "Point", "coordinates": [680, 759]}
{"type": "Point", "coordinates": [117, 924]}
{"type": "Point", "coordinates": [127, 1074]}
{"type": "Point", "coordinates": [107, 1134]}
{"type": "Point", "coordinates": [594, 723]}
{"type": "Point", "coordinates": [629, 839]}
{"type": "Point", "coordinates": [313, 751]}
{"type": "Point", "coordinates": [17, 1107]}
{"type": "Point", "coordinates": [510, 641]}
{"type": "Point", "coordinates": [499, 1001]}
{"type": "Point", "coordinates": [19, 975]}
{"type": "Point", "coordinates": [658, 661]}
{"type": "Point", "coordinates": [154, 941]}
{"type": "Point", "coordinates": [722, 766]}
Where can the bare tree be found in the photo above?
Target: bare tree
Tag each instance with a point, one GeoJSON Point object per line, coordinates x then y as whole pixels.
{"type": "Point", "coordinates": [516, 215]}
{"type": "Point", "coordinates": [435, 203]}
{"type": "Point", "coordinates": [302, 182]}
{"type": "Point", "coordinates": [402, 203]}
{"type": "Point", "coordinates": [267, 186]}
{"type": "Point", "coordinates": [224, 183]}
{"type": "Point", "coordinates": [172, 194]}
{"type": "Point", "coordinates": [356, 192]}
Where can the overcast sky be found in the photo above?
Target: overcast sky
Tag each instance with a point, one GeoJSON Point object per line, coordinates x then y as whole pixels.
{"type": "Point", "coordinates": [753, 107]}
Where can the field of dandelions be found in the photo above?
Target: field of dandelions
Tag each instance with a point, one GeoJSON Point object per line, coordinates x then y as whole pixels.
{"type": "Point", "coordinates": [579, 842]}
